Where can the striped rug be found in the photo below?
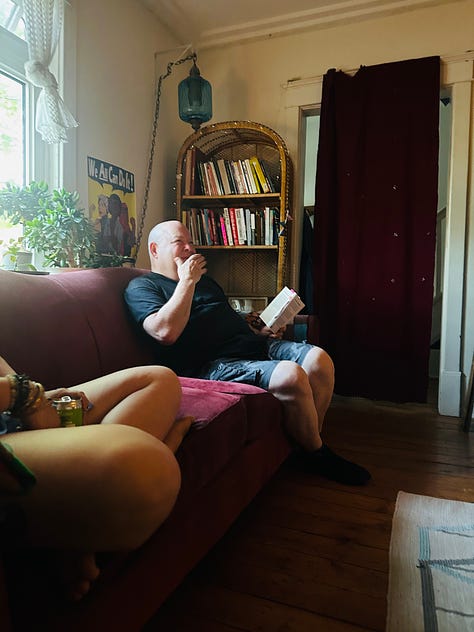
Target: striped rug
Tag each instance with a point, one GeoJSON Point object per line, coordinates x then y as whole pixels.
{"type": "Point", "coordinates": [431, 580]}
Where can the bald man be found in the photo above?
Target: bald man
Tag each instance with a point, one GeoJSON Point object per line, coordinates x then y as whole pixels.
{"type": "Point", "coordinates": [195, 332]}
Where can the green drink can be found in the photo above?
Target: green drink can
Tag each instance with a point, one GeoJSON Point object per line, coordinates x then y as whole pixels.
{"type": "Point", "coordinates": [69, 411]}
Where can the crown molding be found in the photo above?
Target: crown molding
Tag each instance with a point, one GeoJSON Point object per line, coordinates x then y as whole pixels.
{"type": "Point", "coordinates": [319, 17]}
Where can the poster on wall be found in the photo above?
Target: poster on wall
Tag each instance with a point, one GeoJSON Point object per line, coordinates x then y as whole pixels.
{"type": "Point", "coordinates": [112, 207]}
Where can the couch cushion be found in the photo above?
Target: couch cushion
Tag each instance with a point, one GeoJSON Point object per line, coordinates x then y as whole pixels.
{"type": "Point", "coordinates": [98, 294]}
{"type": "Point", "coordinates": [43, 331]}
{"type": "Point", "coordinates": [262, 408]}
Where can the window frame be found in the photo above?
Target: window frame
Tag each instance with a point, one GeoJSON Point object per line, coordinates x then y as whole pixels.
{"type": "Point", "coordinates": [43, 161]}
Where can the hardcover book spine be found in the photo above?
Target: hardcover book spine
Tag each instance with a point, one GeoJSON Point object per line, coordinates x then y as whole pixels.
{"type": "Point", "coordinates": [233, 227]}
{"type": "Point", "coordinates": [223, 229]}
{"type": "Point", "coordinates": [241, 228]}
{"type": "Point", "coordinates": [224, 178]}
{"type": "Point", "coordinates": [255, 162]}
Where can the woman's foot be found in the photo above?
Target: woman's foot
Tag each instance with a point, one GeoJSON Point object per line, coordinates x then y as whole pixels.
{"type": "Point", "coordinates": [178, 431]}
{"type": "Point", "coordinates": [77, 572]}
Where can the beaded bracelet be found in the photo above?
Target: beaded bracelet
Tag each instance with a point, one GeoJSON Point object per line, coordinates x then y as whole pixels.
{"type": "Point", "coordinates": [25, 394]}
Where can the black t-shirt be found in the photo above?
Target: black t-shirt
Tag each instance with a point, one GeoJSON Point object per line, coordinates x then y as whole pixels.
{"type": "Point", "coordinates": [214, 329]}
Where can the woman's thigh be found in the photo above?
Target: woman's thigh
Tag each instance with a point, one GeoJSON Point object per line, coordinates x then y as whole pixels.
{"type": "Point", "coordinates": [98, 487]}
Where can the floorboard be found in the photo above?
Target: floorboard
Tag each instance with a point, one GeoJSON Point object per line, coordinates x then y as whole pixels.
{"type": "Point", "coordinates": [308, 554]}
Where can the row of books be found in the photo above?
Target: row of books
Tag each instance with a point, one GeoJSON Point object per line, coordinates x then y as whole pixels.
{"type": "Point", "coordinates": [232, 226]}
{"type": "Point", "coordinates": [226, 177]}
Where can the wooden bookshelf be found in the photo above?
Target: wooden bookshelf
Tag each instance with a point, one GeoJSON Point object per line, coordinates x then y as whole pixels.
{"type": "Point", "coordinates": [248, 269]}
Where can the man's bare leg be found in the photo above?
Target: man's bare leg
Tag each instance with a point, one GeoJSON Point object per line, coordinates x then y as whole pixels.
{"type": "Point", "coordinates": [320, 371]}
{"type": "Point", "coordinates": [289, 383]}
{"type": "Point", "coordinates": [305, 408]}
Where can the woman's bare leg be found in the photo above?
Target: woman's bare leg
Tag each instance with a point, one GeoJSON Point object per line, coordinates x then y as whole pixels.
{"type": "Point", "coordinates": [146, 397]}
{"type": "Point", "coordinates": [113, 485]}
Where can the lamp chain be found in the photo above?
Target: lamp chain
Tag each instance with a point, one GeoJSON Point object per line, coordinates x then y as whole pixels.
{"type": "Point", "coordinates": [169, 68]}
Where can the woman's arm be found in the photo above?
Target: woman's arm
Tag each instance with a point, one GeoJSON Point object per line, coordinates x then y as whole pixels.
{"type": "Point", "coordinates": [37, 413]}
{"type": "Point", "coordinates": [5, 368]}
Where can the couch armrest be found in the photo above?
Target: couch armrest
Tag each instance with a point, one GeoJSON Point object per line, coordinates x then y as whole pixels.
{"type": "Point", "coordinates": [304, 327]}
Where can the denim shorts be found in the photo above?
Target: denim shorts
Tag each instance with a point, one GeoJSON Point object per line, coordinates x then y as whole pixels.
{"type": "Point", "coordinates": [256, 372]}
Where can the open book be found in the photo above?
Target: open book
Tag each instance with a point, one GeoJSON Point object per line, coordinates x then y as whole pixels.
{"type": "Point", "coordinates": [282, 309]}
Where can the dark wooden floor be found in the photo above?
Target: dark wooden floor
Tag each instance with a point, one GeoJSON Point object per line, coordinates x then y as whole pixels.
{"type": "Point", "coordinates": [310, 555]}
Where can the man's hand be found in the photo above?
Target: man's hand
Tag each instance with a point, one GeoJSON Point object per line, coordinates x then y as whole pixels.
{"type": "Point", "coordinates": [258, 327]}
{"type": "Point", "coordinates": [191, 268]}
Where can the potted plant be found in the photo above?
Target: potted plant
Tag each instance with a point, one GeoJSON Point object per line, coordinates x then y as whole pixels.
{"type": "Point", "coordinates": [53, 223]}
{"type": "Point", "coordinates": [15, 257]}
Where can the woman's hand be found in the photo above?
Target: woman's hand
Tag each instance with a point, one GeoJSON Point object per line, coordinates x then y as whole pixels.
{"type": "Point", "coordinates": [57, 393]}
{"type": "Point", "coordinates": [46, 416]}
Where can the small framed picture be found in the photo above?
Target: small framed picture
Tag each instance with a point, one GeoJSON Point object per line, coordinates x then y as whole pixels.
{"type": "Point", "coordinates": [248, 304]}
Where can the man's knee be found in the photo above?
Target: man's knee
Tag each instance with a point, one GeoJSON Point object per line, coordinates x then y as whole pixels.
{"type": "Point", "coordinates": [290, 379]}
{"type": "Point", "coordinates": [319, 362]}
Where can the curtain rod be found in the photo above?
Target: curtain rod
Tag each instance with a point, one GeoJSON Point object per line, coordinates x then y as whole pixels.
{"type": "Point", "coordinates": [445, 59]}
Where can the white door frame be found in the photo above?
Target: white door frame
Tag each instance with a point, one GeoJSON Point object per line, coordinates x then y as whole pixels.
{"type": "Point", "coordinates": [456, 74]}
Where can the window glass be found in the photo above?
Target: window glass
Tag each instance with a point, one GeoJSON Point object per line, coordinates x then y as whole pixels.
{"type": "Point", "coordinates": [11, 18]}
{"type": "Point", "coordinates": [15, 115]}
{"type": "Point", "coordinates": [12, 130]}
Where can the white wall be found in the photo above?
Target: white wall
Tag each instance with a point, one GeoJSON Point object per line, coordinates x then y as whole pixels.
{"type": "Point", "coordinates": [116, 45]}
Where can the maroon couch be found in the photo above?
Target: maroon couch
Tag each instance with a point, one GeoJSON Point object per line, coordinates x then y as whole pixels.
{"type": "Point", "coordinates": [65, 328]}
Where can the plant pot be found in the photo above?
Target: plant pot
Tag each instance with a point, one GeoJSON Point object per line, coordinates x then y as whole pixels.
{"type": "Point", "coordinates": [21, 261]}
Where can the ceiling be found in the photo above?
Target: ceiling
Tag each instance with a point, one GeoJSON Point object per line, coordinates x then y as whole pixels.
{"type": "Point", "coordinates": [207, 23]}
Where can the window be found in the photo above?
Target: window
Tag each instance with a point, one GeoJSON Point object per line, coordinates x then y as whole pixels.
{"type": "Point", "coordinates": [14, 110]}
{"type": "Point", "coordinates": [12, 129]}
{"type": "Point", "coordinates": [24, 157]}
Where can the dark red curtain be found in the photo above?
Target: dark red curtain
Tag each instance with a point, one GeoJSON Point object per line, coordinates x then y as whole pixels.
{"type": "Point", "coordinates": [375, 222]}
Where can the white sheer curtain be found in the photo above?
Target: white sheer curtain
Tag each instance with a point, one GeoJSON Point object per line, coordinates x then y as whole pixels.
{"type": "Point", "coordinates": [43, 23]}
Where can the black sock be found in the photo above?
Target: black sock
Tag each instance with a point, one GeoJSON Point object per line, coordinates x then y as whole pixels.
{"type": "Point", "coordinates": [328, 464]}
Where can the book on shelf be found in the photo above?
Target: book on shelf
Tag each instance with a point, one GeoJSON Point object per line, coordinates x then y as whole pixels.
{"type": "Point", "coordinates": [282, 310]}
{"type": "Point", "coordinates": [207, 227]}
{"type": "Point", "coordinates": [212, 178]}
{"type": "Point", "coordinates": [253, 238]}
{"type": "Point", "coordinates": [193, 184]}
{"type": "Point", "coordinates": [224, 176]}
{"type": "Point", "coordinates": [188, 171]}
{"type": "Point", "coordinates": [248, 178]}
{"type": "Point", "coordinates": [254, 186]}
{"type": "Point", "coordinates": [225, 241]}
{"type": "Point", "coordinates": [238, 177]}
{"type": "Point", "coordinates": [268, 177]}
{"type": "Point", "coordinates": [257, 167]}
{"type": "Point", "coordinates": [267, 220]}
{"type": "Point", "coordinates": [220, 184]}
{"type": "Point", "coordinates": [241, 227]}
{"type": "Point", "coordinates": [230, 177]}
{"type": "Point", "coordinates": [248, 227]}
{"type": "Point", "coordinates": [233, 226]}
{"type": "Point", "coordinates": [228, 227]}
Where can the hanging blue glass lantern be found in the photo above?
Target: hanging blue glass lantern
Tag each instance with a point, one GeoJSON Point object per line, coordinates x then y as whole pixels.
{"type": "Point", "coordinates": [195, 99]}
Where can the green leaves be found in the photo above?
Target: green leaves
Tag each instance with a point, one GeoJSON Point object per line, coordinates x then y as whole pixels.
{"type": "Point", "coordinates": [53, 223]}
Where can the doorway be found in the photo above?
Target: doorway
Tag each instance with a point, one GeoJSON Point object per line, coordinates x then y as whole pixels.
{"type": "Point", "coordinates": [310, 138]}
